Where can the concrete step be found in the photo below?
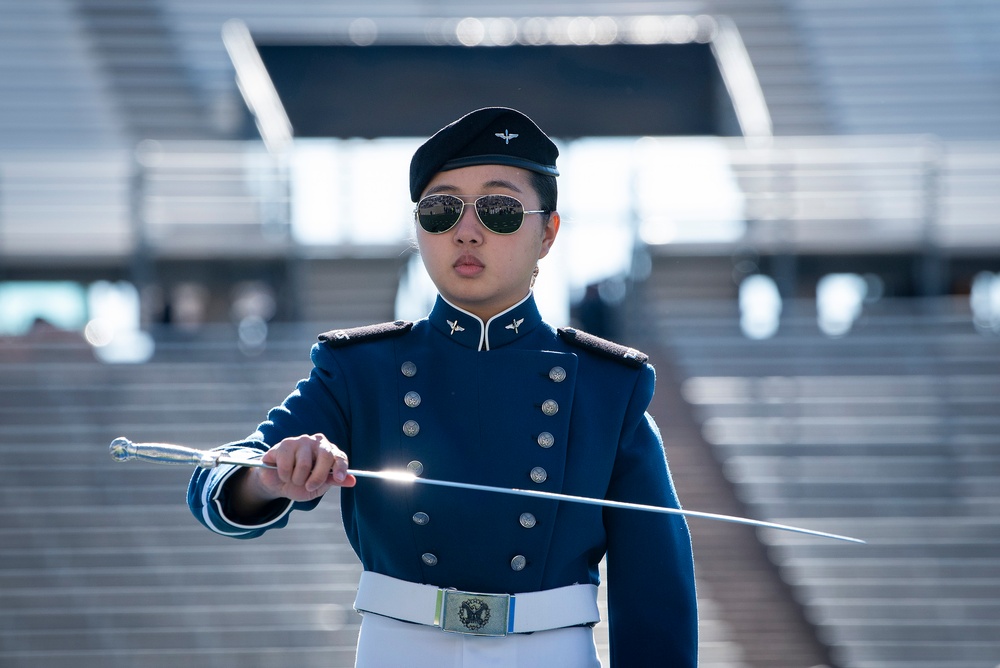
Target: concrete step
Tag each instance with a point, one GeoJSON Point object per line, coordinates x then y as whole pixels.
{"type": "Point", "coordinates": [918, 653]}
{"type": "Point", "coordinates": [175, 594]}
{"type": "Point", "coordinates": [267, 632]}
{"type": "Point", "coordinates": [894, 569]}
{"type": "Point", "coordinates": [953, 609]}
{"type": "Point", "coordinates": [763, 468]}
{"type": "Point", "coordinates": [136, 575]}
{"type": "Point", "coordinates": [943, 632]}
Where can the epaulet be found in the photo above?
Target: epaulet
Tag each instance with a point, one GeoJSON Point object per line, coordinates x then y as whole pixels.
{"type": "Point", "coordinates": [615, 351]}
{"type": "Point", "coordinates": [344, 337]}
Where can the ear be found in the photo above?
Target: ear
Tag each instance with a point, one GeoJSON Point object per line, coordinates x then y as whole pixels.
{"type": "Point", "coordinates": [549, 233]}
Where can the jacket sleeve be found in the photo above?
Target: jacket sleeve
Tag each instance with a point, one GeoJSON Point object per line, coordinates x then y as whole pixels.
{"type": "Point", "coordinates": [652, 605]}
{"type": "Point", "coordinates": [315, 406]}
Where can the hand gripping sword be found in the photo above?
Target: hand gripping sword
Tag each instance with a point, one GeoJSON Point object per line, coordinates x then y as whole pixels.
{"type": "Point", "coordinates": [123, 450]}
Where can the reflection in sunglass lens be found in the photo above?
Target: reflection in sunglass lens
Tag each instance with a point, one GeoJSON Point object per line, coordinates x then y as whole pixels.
{"type": "Point", "coordinates": [500, 213]}
{"type": "Point", "coordinates": [439, 213]}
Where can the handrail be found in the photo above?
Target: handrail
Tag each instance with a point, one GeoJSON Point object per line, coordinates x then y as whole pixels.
{"type": "Point", "coordinates": [800, 194]}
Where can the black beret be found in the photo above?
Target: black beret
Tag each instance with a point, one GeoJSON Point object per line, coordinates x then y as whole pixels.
{"type": "Point", "coordinates": [490, 136]}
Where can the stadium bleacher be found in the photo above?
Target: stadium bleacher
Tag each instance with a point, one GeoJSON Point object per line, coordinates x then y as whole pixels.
{"type": "Point", "coordinates": [101, 564]}
{"type": "Point", "coordinates": [886, 127]}
{"type": "Point", "coordinates": [52, 93]}
{"type": "Point", "coordinates": [888, 433]}
{"type": "Point", "coordinates": [906, 67]}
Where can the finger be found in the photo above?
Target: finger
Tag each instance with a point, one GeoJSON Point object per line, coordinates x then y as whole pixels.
{"type": "Point", "coordinates": [304, 462]}
{"type": "Point", "coordinates": [283, 459]}
{"type": "Point", "coordinates": [269, 457]}
{"type": "Point", "coordinates": [285, 456]}
{"type": "Point", "coordinates": [348, 481]}
{"type": "Point", "coordinates": [338, 471]}
{"type": "Point", "coordinates": [326, 454]}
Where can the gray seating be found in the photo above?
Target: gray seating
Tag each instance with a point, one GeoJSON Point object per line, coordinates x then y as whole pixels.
{"type": "Point", "coordinates": [101, 564]}
{"type": "Point", "coordinates": [904, 454]}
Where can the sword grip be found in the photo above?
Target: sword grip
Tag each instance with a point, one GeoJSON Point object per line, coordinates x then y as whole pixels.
{"type": "Point", "coordinates": [122, 450]}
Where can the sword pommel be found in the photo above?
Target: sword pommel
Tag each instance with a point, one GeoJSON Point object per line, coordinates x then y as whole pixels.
{"type": "Point", "coordinates": [122, 449]}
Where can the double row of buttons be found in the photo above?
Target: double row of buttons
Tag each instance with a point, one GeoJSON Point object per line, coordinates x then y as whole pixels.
{"type": "Point", "coordinates": [537, 474]}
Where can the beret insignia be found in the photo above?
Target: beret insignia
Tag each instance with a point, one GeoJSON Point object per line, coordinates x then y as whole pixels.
{"type": "Point", "coordinates": [610, 349]}
{"type": "Point", "coordinates": [345, 337]}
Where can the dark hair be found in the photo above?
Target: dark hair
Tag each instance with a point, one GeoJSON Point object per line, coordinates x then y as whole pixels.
{"type": "Point", "coordinates": [547, 190]}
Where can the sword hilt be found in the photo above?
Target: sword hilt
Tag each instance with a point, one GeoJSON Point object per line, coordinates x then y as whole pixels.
{"type": "Point", "coordinates": [123, 450]}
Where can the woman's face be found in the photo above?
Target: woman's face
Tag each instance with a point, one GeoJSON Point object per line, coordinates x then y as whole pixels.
{"type": "Point", "coordinates": [473, 268]}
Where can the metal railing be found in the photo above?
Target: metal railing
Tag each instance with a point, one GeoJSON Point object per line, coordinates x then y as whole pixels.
{"type": "Point", "coordinates": [177, 199]}
{"type": "Point", "coordinates": [210, 198]}
{"type": "Point", "coordinates": [230, 199]}
{"type": "Point", "coordinates": [863, 194]}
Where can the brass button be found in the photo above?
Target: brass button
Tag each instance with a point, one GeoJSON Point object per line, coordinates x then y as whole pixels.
{"type": "Point", "coordinates": [557, 374]}
{"type": "Point", "coordinates": [528, 520]}
{"type": "Point", "coordinates": [429, 559]}
{"type": "Point", "coordinates": [538, 475]}
{"type": "Point", "coordinates": [415, 467]}
{"type": "Point", "coordinates": [411, 428]}
{"type": "Point", "coordinates": [409, 369]}
{"type": "Point", "coordinates": [518, 563]}
{"type": "Point", "coordinates": [411, 399]}
{"type": "Point", "coordinates": [421, 518]}
{"type": "Point", "coordinates": [546, 440]}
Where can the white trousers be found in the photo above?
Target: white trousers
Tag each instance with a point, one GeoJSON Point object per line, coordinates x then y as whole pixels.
{"type": "Point", "coordinates": [386, 643]}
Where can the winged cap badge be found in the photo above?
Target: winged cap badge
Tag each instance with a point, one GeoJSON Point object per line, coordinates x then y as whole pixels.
{"type": "Point", "coordinates": [506, 135]}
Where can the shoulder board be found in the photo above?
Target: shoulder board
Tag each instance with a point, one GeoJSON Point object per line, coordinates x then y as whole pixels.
{"type": "Point", "coordinates": [344, 337]}
{"type": "Point", "coordinates": [615, 351]}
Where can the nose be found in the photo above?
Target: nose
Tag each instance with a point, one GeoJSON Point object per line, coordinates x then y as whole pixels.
{"type": "Point", "coordinates": [468, 229]}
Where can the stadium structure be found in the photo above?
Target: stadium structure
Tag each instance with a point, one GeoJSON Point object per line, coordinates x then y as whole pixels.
{"type": "Point", "coordinates": [791, 205]}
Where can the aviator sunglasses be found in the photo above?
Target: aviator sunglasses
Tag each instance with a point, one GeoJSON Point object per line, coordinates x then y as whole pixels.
{"type": "Point", "coordinates": [501, 214]}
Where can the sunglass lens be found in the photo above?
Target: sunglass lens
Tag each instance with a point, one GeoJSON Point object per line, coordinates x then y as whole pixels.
{"type": "Point", "coordinates": [439, 213]}
{"type": "Point", "coordinates": [500, 213]}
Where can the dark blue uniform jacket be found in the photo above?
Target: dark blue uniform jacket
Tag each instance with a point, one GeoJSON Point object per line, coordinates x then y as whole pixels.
{"type": "Point", "coordinates": [508, 403]}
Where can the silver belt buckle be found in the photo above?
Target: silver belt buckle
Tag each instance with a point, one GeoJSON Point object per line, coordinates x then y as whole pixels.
{"type": "Point", "coordinates": [474, 614]}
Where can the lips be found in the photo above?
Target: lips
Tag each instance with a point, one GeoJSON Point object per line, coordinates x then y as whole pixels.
{"type": "Point", "coordinates": [469, 265]}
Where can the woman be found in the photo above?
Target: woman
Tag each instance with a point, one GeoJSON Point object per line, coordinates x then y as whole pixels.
{"type": "Point", "coordinates": [481, 391]}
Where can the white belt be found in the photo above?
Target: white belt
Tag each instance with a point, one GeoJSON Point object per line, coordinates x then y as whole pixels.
{"type": "Point", "coordinates": [475, 613]}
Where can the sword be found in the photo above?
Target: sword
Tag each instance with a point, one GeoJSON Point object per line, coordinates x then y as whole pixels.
{"type": "Point", "coordinates": [122, 449]}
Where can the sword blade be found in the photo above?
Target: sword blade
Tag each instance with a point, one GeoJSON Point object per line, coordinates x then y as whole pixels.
{"type": "Point", "coordinates": [400, 476]}
{"type": "Point", "coordinates": [123, 449]}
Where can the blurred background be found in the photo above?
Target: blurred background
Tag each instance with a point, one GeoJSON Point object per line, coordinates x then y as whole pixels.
{"type": "Point", "coordinates": [792, 205]}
